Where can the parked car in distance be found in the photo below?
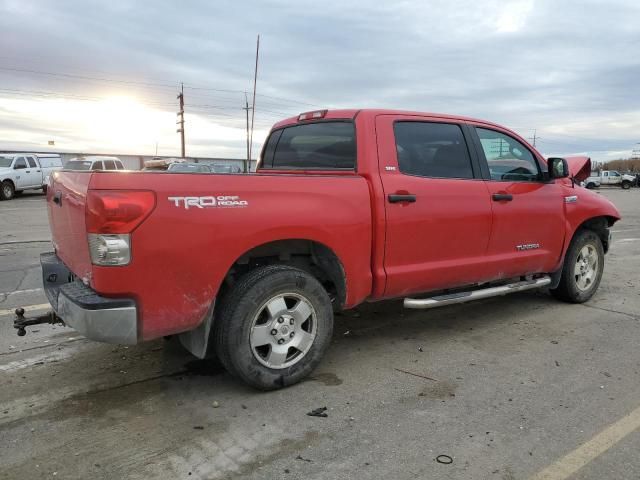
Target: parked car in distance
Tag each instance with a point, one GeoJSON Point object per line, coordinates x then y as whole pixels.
{"type": "Point", "coordinates": [94, 162]}
{"type": "Point", "coordinates": [26, 171]}
{"type": "Point", "coordinates": [610, 177]}
{"type": "Point", "coordinates": [188, 167]}
{"type": "Point", "coordinates": [346, 207]}
{"type": "Point", "coordinates": [220, 168]}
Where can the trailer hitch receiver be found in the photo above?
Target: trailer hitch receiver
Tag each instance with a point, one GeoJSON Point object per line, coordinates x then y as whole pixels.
{"type": "Point", "coordinates": [20, 322]}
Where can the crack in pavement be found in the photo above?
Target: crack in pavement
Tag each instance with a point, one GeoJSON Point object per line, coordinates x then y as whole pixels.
{"type": "Point", "coordinates": [635, 317]}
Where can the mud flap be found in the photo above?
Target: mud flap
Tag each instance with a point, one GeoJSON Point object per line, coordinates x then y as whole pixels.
{"type": "Point", "coordinates": [197, 340]}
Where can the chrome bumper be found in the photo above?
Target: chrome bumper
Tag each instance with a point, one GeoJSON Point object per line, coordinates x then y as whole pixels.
{"type": "Point", "coordinates": [109, 320]}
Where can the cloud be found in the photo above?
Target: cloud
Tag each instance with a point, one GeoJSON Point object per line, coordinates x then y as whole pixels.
{"type": "Point", "coordinates": [567, 69]}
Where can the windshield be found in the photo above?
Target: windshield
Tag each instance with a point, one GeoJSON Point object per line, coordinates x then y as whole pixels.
{"type": "Point", "coordinates": [5, 162]}
{"type": "Point", "coordinates": [78, 165]}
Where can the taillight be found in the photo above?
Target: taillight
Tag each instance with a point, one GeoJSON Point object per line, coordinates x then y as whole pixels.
{"type": "Point", "coordinates": [312, 115]}
{"type": "Point", "coordinates": [117, 211]}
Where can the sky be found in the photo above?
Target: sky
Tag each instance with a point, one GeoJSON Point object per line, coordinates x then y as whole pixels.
{"type": "Point", "coordinates": [102, 77]}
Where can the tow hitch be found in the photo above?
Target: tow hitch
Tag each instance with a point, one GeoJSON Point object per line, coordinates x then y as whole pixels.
{"type": "Point", "coordinates": [20, 322]}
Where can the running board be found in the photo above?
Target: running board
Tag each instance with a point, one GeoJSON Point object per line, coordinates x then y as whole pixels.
{"type": "Point", "coordinates": [461, 297]}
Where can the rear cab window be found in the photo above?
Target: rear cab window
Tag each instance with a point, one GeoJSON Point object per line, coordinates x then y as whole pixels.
{"type": "Point", "coordinates": [327, 145]}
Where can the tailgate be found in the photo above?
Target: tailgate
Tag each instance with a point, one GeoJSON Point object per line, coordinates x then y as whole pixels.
{"type": "Point", "coordinates": [66, 200]}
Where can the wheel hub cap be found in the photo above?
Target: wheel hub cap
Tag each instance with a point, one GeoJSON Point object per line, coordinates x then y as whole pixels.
{"type": "Point", "coordinates": [586, 267]}
{"type": "Point", "coordinates": [283, 330]}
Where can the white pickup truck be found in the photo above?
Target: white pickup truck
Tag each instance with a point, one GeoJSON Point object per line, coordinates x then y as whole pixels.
{"type": "Point", "coordinates": [610, 177]}
{"type": "Point", "coordinates": [26, 171]}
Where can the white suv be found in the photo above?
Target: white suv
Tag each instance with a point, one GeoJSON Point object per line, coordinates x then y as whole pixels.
{"type": "Point", "coordinates": [94, 163]}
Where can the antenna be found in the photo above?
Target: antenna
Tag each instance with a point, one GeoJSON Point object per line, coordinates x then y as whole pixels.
{"type": "Point", "coordinates": [253, 103]}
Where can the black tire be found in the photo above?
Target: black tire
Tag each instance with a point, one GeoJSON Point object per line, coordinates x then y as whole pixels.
{"type": "Point", "coordinates": [626, 185]}
{"type": "Point", "coordinates": [568, 289]}
{"type": "Point", "coordinates": [7, 190]}
{"type": "Point", "coordinates": [246, 302]}
{"type": "Point", "coordinates": [591, 185]}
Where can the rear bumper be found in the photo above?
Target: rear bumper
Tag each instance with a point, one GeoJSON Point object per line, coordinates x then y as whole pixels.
{"type": "Point", "coordinates": [110, 320]}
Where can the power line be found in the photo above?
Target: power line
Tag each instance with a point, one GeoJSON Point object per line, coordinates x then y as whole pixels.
{"type": "Point", "coordinates": [143, 83]}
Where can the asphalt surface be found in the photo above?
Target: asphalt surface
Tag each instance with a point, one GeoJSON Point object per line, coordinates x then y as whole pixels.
{"type": "Point", "coordinates": [517, 385]}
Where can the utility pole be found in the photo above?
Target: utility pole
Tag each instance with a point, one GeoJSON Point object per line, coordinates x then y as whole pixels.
{"type": "Point", "coordinates": [534, 138]}
{"type": "Point", "coordinates": [247, 162]}
{"type": "Point", "coordinates": [180, 122]}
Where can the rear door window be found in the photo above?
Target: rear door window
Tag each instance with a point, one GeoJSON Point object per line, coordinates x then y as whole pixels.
{"type": "Point", "coordinates": [435, 150]}
{"type": "Point", "coordinates": [97, 165]}
{"type": "Point", "coordinates": [32, 162]}
{"type": "Point", "coordinates": [320, 146]}
{"type": "Point", "coordinates": [109, 165]}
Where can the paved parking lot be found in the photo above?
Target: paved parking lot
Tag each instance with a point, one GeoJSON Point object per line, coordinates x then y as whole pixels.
{"type": "Point", "coordinates": [517, 386]}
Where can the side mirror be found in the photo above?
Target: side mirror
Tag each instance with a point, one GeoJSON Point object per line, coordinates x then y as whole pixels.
{"type": "Point", "coordinates": [557, 167]}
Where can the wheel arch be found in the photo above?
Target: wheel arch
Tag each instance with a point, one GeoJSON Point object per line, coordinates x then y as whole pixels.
{"type": "Point", "coordinates": [310, 255]}
{"type": "Point", "coordinates": [600, 225]}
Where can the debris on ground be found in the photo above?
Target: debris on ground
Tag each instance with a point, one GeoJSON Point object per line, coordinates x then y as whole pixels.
{"type": "Point", "coordinates": [215, 404]}
{"type": "Point", "coordinates": [300, 457]}
{"type": "Point", "coordinates": [420, 349]}
{"type": "Point", "coordinates": [318, 412]}
{"type": "Point", "coordinates": [444, 459]}
{"type": "Point", "coordinates": [198, 427]}
{"type": "Point", "coordinates": [416, 375]}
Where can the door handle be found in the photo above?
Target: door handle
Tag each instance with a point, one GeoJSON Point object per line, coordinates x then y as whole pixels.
{"type": "Point", "coordinates": [397, 198]}
{"type": "Point", "coordinates": [37, 170]}
{"type": "Point", "coordinates": [27, 171]}
{"type": "Point", "coordinates": [502, 197]}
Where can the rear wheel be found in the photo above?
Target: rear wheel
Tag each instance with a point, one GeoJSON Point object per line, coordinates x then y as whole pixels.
{"type": "Point", "coordinates": [582, 270]}
{"type": "Point", "coordinates": [273, 327]}
{"type": "Point", "coordinates": [7, 191]}
{"type": "Point", "coordinates": [591, 185]}
{"type": "Point", "coordinates": [626, 185]}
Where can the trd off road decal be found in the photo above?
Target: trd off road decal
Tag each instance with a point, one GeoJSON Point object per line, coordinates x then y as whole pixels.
{"type": "Point", "coordinates": [219, 201]}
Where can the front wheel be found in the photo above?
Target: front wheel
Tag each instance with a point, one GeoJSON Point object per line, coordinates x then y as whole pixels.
{"type": "Point", "coordinates": [626, 185]}
{"type": "Point", "coordinates": [7, 190]}
{"type": "Point", "coordinates": [583, 268]}
{"type": "Point", "coordinates": [273, 326]}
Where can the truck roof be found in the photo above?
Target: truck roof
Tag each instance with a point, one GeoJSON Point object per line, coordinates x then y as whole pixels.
{"type": "Point", "coordinates": [353, 112]}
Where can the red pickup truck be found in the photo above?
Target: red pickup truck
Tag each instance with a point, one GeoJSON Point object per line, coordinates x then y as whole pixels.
{"type": "Point", "coordinates": [347, 206]}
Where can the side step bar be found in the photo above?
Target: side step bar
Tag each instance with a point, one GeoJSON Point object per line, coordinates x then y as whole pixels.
{"type": "Point", "coordinates": [461, 297]}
